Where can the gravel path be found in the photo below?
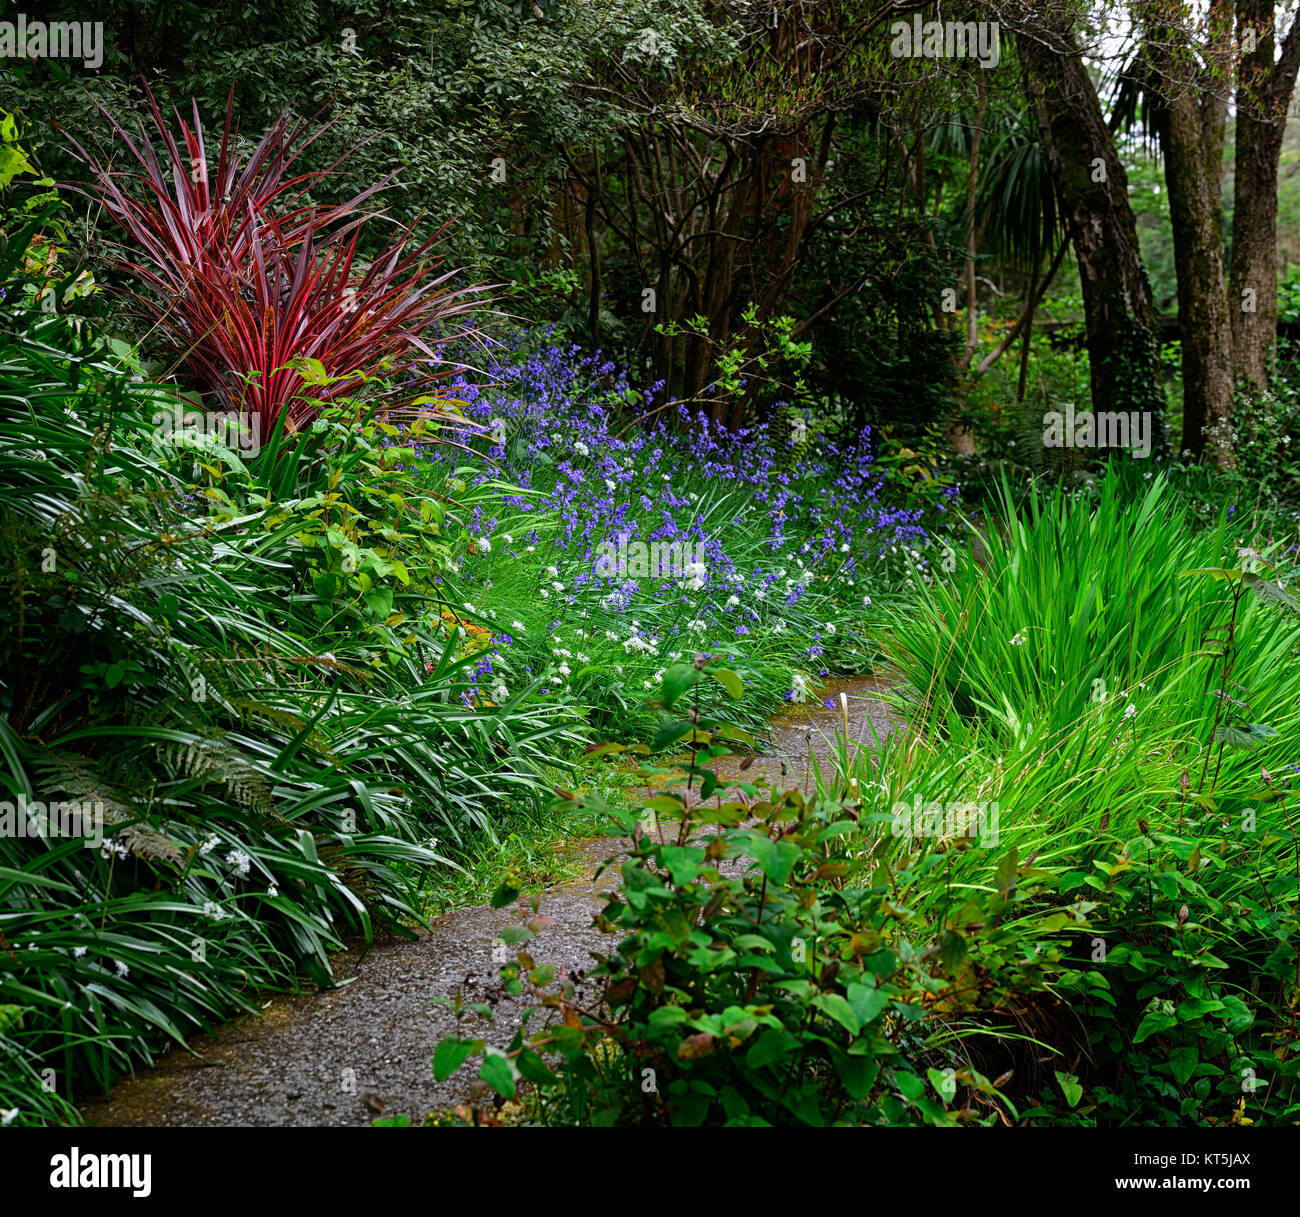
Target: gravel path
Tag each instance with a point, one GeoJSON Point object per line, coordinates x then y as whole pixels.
{"type": "Point", "coordinates": [344, 1055]}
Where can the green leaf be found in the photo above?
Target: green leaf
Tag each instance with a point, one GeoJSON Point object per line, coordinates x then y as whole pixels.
{"type": "Point", "coordinates": [678, 678]}
{"type": "Point", "coordinates": [669, 733]}
{"type": "Point", "coordinates": [769, 1047]}
{"type": "Point", "coordinates": [1153, 1024]}
{"type": "Point", "coordinates": [1234, 737]}
{"type": "Point", "coordinates": [450, 1055]}
{"type": "Point", "coordinates": [1005, 877]}
{"type": "Point", "coordinates": [728, 680]}
{"type": "Point", "coordinates": [534, 1069]}
{"type": "Point", "coordinates": [496, 1072]}
{"type": "Point", "coordinates": [684, 863]}
{"type": "Point", "coordinates": [944, 1082]}
{"type": "Point", "coordinates": [1270, 592]}
{"type": "Point", "coordinates": [1182, 1062]}
{"type": "Point", "coordinates": [952, 949]}
{"type": "Point", "coordinates": [504, 895]}
{"type": "Point", "coordinates": [867, 1002]}
{"type": "Point", "coordinates": [839, 1009]}
{"type": "Point", "coordinates": [911, 1086]}
{"type": "Point", "coordinates": [1237, 1015]}
{"type": "Point", "coordinates": [1069, 1087]}
{"type": "Point", "coordinates": [776, 859]}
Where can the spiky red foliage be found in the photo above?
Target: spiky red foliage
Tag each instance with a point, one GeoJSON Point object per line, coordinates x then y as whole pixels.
{"type": "Point", "coordinates": [243, 273]}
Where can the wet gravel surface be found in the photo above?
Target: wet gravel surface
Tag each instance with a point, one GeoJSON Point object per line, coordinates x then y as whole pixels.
{"type": "Point", "coordinates": [344, 1055]}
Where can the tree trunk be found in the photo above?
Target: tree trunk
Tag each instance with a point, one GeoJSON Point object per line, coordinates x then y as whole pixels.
{"type": "Point", "coordinates": [1192, 113]}
{"type": "Point", "coordinates": [1092, 191]}
{"type": "Point", "coordinates": [1263, 91]}
{"type": "Point", "coordinates": [1193, 177]}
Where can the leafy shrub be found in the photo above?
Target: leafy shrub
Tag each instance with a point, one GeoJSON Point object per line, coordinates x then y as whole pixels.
{"type": "Point", "coordinates": [1093, 676]}
{"type": "Point", "coordinates": [271, 753]}
{"type": "Point", "coordinates": [768, 966]}
{"type": "Point", "coordinates": [247, 277]}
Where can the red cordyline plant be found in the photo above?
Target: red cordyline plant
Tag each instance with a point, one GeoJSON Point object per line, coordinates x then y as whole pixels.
{"type": "Point", "coordinates": [248, 278]}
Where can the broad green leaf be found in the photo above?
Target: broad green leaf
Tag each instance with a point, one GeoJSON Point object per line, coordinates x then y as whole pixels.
{"type": "Point", "coordinates": [450, 1055]}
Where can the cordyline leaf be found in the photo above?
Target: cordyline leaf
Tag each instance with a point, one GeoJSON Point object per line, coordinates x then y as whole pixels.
{"type": "Point", "coordinates": [251, 282]}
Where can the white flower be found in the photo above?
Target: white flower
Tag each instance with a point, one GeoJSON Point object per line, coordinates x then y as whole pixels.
{"type": "Point", "coordinates": [866, 601]}
{"type": "Point", "coordinates": [8, 1117]}
{"type": "Point", "coordinates": [732, 601]}
{"type": "Point", "coordinates": [213, 910]}
{"type": "Point", "coordinates": [564, 669]}
{"type": "Point", "coordinates": [1130, 710]}
{"type": "Point", "coordinates": [122, 969]}
{"type": "Point", "coordinates": [610, 484]}
{"type": "Point", "coordinates": [500, 694]}
{"type": "Point", "coordinates": [581, 449]}
{"type": "Point", "coordinates": [273, 891]}
{"type": "Point", "coordinates": [518, 625]}
{"type": "Point", "coordinates": [557, 586]}
{"type": "Point", "coordinates": [469, 608]}
{"type": "Point", "coordinates": [552, 571]}
{"type": "Point", "coordinates": [545, 594]}
{"type": "Point", "coordinates": [78, 952]}
{"type": "Point", "coordinates": [239, 860]}
{"type": "Point", "coordinates": [208, 846]}
{"type": "Point", "coordinates": [531, 549]}
{"type": "Point", "coordinates": [507, 538]}
{"type": "Point", "coordinates": [1019, 639]}
{"type": "Point", "coordinates": [484, 545]}
{"type": "Point", "coordinates": [830, 627]}
{"type": "Point", "coordinates": [844, 548]}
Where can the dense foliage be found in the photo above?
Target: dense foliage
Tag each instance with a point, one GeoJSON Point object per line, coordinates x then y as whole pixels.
{"type": "Point", "coordinates": [432, 429]}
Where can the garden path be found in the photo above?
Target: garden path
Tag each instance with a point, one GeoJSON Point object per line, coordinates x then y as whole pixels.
{"type": "Point", "coordinates": [343, 1055]}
